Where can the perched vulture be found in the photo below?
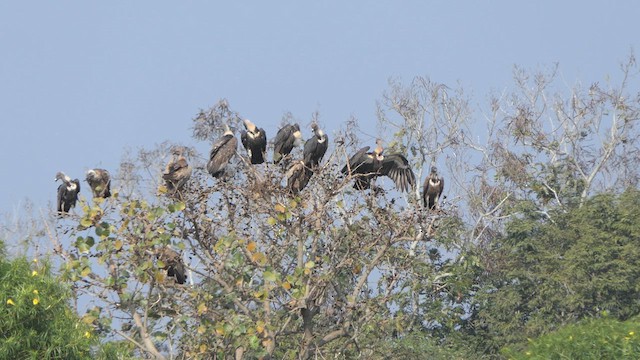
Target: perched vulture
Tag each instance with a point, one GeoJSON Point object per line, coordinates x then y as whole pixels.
{"type": "Point", "coordinates": [298, 176]}
{"type": "Point", "coordinates": [433, 186]}
{"type": "Point", "coordinates": [315, 147]}
{"type": "Point", "coordinates": [67, 192]}
{"type": "Point", "coordinates": [255, 141]}
{"type": "Point", "coordinates": [221, 152]}
{"type": "Point", "coordinates": [369, 165]}
{"type": "Point", "coordinates": [100, 183]}
{"type": "Point", "coordinates": [286, 138]}
{"type": "Point", "coordinates": [173, 264]}
{"type": "Point", "coordinates": [178, 171]}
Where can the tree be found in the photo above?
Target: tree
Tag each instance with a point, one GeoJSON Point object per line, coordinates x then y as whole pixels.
{"type": "Point", "coordinates": [36, 319]}
{"type": "Point", "coordinates": [333, 271]}
{"type": "Point", "coordinates": [547, 274]}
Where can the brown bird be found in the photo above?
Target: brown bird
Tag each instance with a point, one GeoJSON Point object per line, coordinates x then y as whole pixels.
{"type": "Point", "coordinates": [432, 189]}
{"type": "Point", "coordinates": [221, 152]}
{"type": "Point", "coordinates": [178, 171]}
{"type": "Point", "coordinates": [173, 264]}
{"type": "Point", "coordinates": [100, 183]}
{"type": "Point", "coordinates": [298, 176]}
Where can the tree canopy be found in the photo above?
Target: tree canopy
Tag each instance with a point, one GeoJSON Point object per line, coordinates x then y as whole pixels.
{"type": "Point", "coordinates": [536, 231]}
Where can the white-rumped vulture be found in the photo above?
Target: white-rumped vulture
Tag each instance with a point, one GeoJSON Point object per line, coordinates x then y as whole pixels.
{"type": "Point", "coordinates": [67, 192]}
{"type": "Point", "coordinates": [432, 189]}
{"type": "Point", "coordinates": [298, 176]}
{"type": "Point", "coordinates": [178, 170]}
{"type": "Point", "coordinates": [221, 152]}
{"type": "Point", "coordinates": [100, 183]}
{"type": "Point", "coordinates": [365, 166]}
{"type": "Point", "coordinates": [254, 141]}
{"type": "Point", "coordinates": [286, 138]}
{"type": "Point", "coordinates": [173, 264]}
{"type": "Point", "coordinates": [315, 147]}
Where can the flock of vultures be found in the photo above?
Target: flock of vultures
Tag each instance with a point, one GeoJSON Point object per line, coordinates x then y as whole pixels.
{"type": "Point", "coordinates": [363, 167]}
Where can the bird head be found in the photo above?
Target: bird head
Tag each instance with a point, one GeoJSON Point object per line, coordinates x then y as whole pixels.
{"type": "Point", "coordinates": [434, 171]}
{"type": "Point", "coordinates": [227, 130]}
{"type": "Point", "coordinates": [249, 125]}
{"type": "Point", "coordinates": [61, 176]}
{"type": "Point", "coordinates": [316, 130]}
{"type": "Point", "coordinates": [378, 150]}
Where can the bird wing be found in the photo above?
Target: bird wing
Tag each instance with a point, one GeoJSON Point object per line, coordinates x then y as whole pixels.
{"type": "Point", "coordinates": [262, 136]}
{"type": "Point", "coordinates": [397, 167]}
{"type": "Point", "coordinates": [219, 144]}
{"type": "Point", "coordinates": [244, 139]}
{"type": "Point", "coordinates": [355, 161]}
{"type": "Point", "coordinates": [77, 182]}
{"type": "Point", "coordinates": [441, 186]}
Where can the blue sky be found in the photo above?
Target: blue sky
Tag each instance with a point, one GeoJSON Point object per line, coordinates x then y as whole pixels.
{"type": "Point", "coordinates": [82, 81]}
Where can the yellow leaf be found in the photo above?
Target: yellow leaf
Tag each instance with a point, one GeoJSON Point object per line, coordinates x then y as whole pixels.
{"type": "Point", "coordinates": [10, 302]}
{"type": "Point", "coordinates": [162, 189]}
{"type": "Point", "coordinates": [202, 308]}
{"type": "Point", "coordinates": [219, 330]}
{"type": "Point", "coordinates": [203, 348]}
{"type": "Point", "coordinates": [271, 221]}
{"type": "Point", "coordinates": [293, 204]}
{"type": "Point", "coordinates": [36, 301]}
{"type": "Point", "coordinates": [35, 291]}
{"type": "Point", "coordinates": [286, 285]}
{"type": "Point", "coordinates": [34, 273]}
{"type": "Point", "coordinates": [117, 245]}
{"type": "Point", "coordinates": [87, 334]}
{"type": "Point", "coordinates": [201, 329]}
{"type": "Point", "coordinates": [86, 271]}
{"type": "Point", "coordinates": [260, 327]}
{"type": "Point", "coordinates": [252, 246]}
{"type": "Point", "coordinates": [259, 258]}
{"type": "Point", "coordinates": [280, 208]}
{"type": "Point", "coordinates": [160, 276]}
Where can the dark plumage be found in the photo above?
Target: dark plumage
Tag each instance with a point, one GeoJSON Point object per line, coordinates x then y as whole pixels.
{"type": "Point", "coordinates": [298, 176]}
{"type": "Point", "coordinates": [286, 138]}
{"type": "Point", "coordinates": [364, 166]}
{"type": "Point", "coordinates": [369, 165]}
{"type": "Point", "coordinates": [315, 147]}
{"type": "Point", "coordinates": [221, 152]}
{"type": "Point", "coordinates": [100, 183]}
{"type": "Point", "coordinates": [432, 189]}
{"type": "Point", "coordinates": [173, 264]}
{"type": "Point", "coordinates": [254, 141]}
{"type": "Point", "coordinates": [67, 192]}
{"type": "Point", "coordinates": [178, 171]}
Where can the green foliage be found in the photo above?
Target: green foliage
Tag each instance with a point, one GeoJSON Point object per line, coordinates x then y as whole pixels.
{"type": "Point", "coordinates": [36, 321]}
{"type": "Point", "coordinates": [603, 338]}
{"type": "Point", "coordinates": [548, 273]}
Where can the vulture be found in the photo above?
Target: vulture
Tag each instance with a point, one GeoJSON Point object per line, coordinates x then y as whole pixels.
{"type": "Point", "coordinates": [315, 147]}
{"type": "Point", "coordinates": [67, 192]}
{"type": "Point", "coordinates": [286, 138]}
{"type": "Point", "coordinates": [100, 183]}
{"type": "Point", "coordinates": [298, 176]}
{"type": "Point", "coordinates": [221, 152]}
{"type": "Point", "coordinates": [173, 264]}
{"type": "Point", "coordinates": [432, 189]}
{"type": "Point", "coordinates": [255, 141]}
{"type": "Point", "coordinates": [369, 165]}
{"type": "Point", "coordinates": [178, 171]}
